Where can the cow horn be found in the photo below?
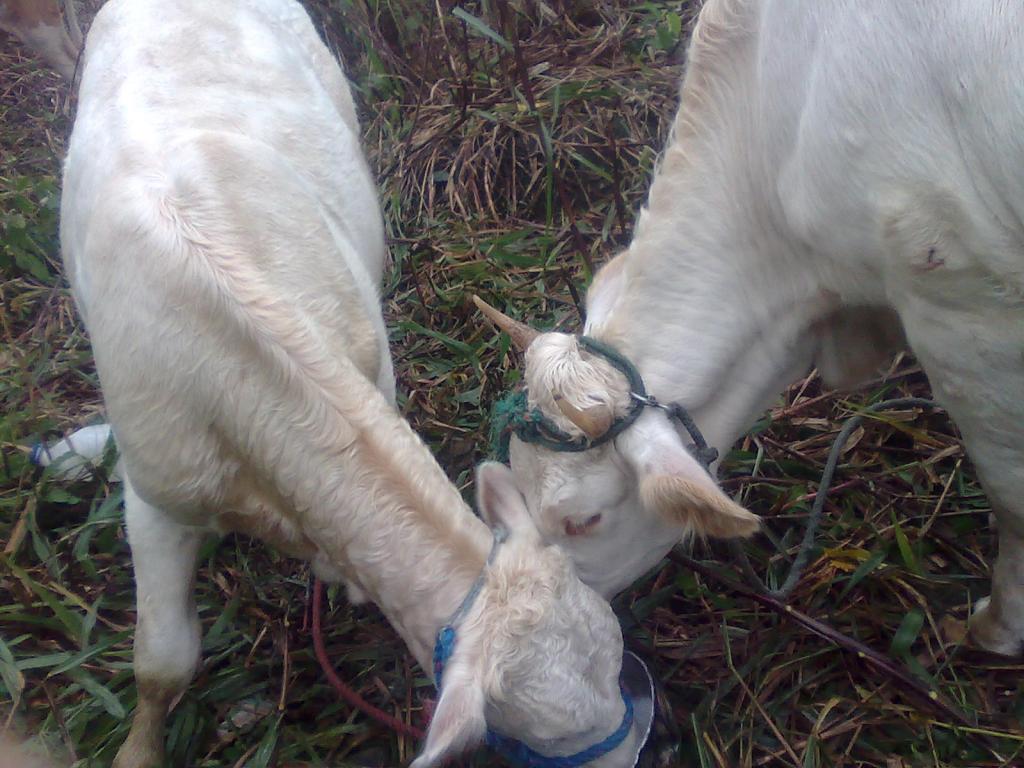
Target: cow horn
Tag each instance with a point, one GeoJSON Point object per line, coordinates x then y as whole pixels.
{"type": "Point", "coordinates": [594, 421]}
{"type": "Point", "coordinates": [521, 334]}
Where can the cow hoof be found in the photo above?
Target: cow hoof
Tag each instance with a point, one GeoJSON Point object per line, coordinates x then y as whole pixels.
{"type": "Point", "coordinates": [987, 631]}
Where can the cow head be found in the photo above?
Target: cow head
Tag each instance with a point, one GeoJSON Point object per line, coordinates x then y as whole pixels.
{"type": "Point", "coordinates": [538, 656]}
{"type": "Point", "coordinates": [619, 507]}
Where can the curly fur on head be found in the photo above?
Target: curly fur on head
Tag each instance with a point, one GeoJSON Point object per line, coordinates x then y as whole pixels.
{"type": "Point", "coordinates": [553, 647]}
{"type": "Point", "coordinates": [557, 369]}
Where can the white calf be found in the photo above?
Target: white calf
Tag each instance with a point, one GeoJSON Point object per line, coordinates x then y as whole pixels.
{"type": "Point", "coordinates": [839, 175]}
{"type": "Point", "coordinates": [221, 232]}
{"type": "Point", "coordinates": [14, 754]}
{"type": "Point", "coordinates": [40, 25]}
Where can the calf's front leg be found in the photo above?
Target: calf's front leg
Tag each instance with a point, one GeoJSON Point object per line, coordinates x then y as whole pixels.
{"type": "Point", "coordinates": [167, 633]}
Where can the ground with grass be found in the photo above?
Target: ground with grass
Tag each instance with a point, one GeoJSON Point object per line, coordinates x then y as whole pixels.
{"type": "Point", "coordinates": [513, 143]}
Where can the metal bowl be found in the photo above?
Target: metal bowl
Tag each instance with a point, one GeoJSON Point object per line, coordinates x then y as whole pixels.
{"type": "Point", "coordinates": [659, 744]}
{"type": "Point", "coordinates": [637, 680]}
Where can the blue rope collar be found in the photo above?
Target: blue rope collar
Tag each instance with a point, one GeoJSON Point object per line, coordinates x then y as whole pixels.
{"type": "Point", "coordinates": [444, 645]}
{"type": "Point", "coordinates": [516, 752]}
{"type": "Point", "coordinates": [512, 415]}
{"type": "Point", "coordinates": [512, 749]}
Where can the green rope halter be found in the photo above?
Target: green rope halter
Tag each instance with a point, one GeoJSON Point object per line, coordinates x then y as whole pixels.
{"type": "Point", "coordinates": [512, 415]}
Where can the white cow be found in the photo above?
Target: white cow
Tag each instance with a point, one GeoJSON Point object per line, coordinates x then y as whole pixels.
{"type": "Point", "coordinates": [41, 26]}
{"type": "Point", "coordinates": [221, 232]}
{"type": "Point", "coordinates": [839, 175]}
{"type": "Point", "coordinates": [15, 753]}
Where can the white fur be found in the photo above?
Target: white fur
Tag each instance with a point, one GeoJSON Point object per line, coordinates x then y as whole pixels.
{"type": "Point", "coordinates": [42, 27]}
{"type": "Point", "coordinates": [839, 175]}
{"type": "Point", "coordinates": [221, 231]}
{"type": "Point", "coordinates": [24, 753]}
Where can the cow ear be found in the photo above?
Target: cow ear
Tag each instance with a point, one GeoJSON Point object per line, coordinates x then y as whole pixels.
{"type": "Point", "coordinates": [676, 486]}
{"type": "Point", "coordinates": [699, 507]}
{"type": "Point", "coordinates": [500, 503]}
{"type": "Point", "coordinates": [604, 291]}
{"type": "Point", "coordinates": [458, 723]}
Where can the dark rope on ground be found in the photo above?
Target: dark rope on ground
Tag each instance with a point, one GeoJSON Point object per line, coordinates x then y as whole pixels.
{"type": "Point", "coordinates": [803, 555]}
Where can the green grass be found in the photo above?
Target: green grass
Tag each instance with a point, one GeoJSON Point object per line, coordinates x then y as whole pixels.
{"type": "Point", "coordinates": [513, 144]}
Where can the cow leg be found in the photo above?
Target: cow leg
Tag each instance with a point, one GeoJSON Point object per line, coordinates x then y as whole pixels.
{"type": "Point", "coordinates": [989, 430]}
{"type": "Point", "coordinates": [998, 621]}
{"type": "Point", "coordinates": [167, 634]}
{"type": "Point", "coordinates": [970, 343]}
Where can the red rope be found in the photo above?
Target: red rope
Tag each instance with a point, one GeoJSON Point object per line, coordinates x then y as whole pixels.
{"type": "Point", "coordinates": [349, 695]}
